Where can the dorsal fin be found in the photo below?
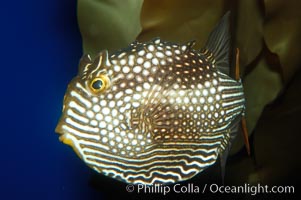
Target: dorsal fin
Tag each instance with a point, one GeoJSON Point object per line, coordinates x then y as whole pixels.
{"type": "Point", "coordinates": [218, 45]}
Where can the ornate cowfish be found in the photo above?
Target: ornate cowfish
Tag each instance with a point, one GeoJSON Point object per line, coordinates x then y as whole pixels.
{"type": "Point", "coordinates": [154, 112]}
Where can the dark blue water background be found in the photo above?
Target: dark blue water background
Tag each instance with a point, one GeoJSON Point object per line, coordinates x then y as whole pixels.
{"type": "Point", "coordinates": [40, 49]}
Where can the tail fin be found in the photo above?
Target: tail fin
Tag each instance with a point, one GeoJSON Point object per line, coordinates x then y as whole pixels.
{"type": "Point", "coordinates": [217, 47]}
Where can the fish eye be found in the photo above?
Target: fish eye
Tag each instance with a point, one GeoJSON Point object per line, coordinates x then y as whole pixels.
{"type": "Point", "coordinates": [99, 84]}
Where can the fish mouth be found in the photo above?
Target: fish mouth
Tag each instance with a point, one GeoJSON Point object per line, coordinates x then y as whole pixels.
{"type": "Point", "coordinates": [64, 135]}
{"type": "Point", "coordinates": [68, 138]}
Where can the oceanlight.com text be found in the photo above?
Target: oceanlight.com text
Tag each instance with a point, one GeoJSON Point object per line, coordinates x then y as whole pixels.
{"type": "Point", "coordinates": [209, 188]}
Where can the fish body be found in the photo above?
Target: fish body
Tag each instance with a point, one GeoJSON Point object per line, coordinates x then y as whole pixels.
{"type": "Point", "coordinates": [154, 112]}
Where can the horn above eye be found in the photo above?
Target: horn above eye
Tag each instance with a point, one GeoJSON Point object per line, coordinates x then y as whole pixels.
{"type": "Point", "coordinates": [84, 61]}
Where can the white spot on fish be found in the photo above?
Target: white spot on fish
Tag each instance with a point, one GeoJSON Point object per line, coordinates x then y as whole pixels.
{"type": "Point", "coordinates": [147, 64]}
{"type": "Point", "coordinates": [125, 69]}
{"type": "Point", "coordinates": [111, 135]}
{"type": "Point", "coordinates": [151, 47]}
{"type": "Point", "coordinates": [140, 60]}
{"type": "Point", "coordinates": [137, 69]}
{"type": "Point", "coordinates": [106, 111]}
{"type": "Point", "coordinates": [149, 55]}
{"type": "Point", "coordinates": [102, 124]}
{"type": "Point", "coordinates": [168, 53]}
{"type": "Point", "coordinates": [96, 108]}
{"type": "Point", "coordinates": [141, 53]}
{"type": "Point", "coordinates": [90, 114]}
{"type": "Point", "coordinates": [159, 54]}
{"type": "Point", "coordinates": [122, 61]}
{"type": "Point", "coordinates": [155, 61]}
{"type": "Point", "coordinates": [104, 139]}
{"type": "Point", "coordinates": [99, 116]}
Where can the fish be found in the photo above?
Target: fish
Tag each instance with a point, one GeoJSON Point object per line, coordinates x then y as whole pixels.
{"type": "Point", "coordinates": [155, 112]}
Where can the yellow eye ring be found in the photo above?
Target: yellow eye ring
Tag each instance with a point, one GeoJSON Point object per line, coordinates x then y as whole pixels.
{"type": "Point", "coordinates": [99, 84]}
